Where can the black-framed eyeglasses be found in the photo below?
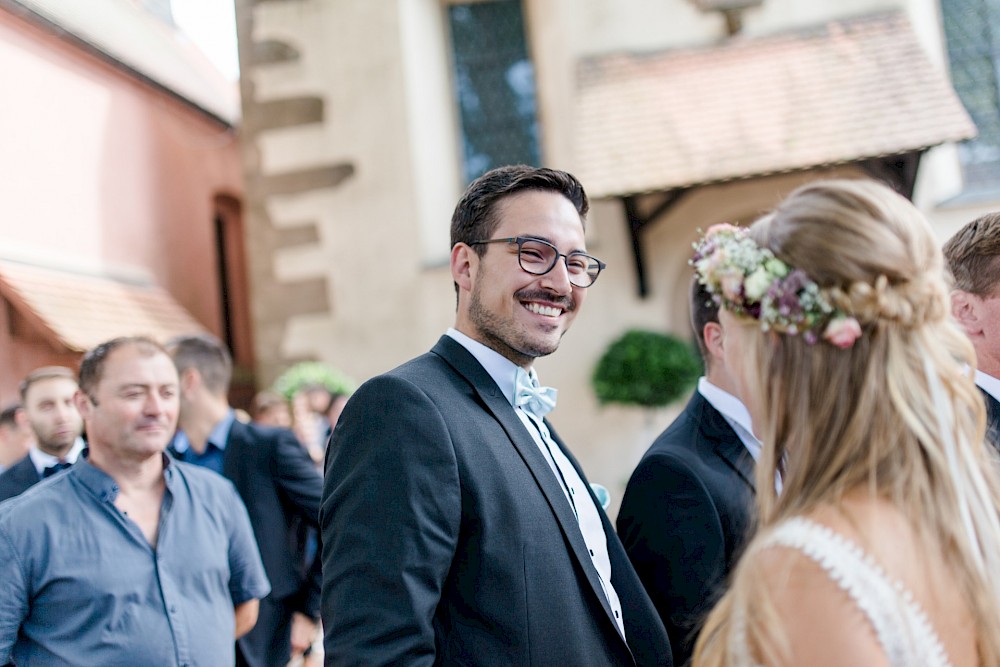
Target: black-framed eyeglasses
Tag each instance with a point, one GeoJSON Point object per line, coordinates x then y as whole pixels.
{"type": "Point", "coordinates": [538, 257]}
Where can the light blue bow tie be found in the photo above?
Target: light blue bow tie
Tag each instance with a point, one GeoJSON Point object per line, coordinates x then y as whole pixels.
{"type": "Point", "coordinates": [530, 397]}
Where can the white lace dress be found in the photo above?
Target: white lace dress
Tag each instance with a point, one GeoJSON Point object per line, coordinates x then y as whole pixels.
{"type": "Point", "coordinates": [903, 629]}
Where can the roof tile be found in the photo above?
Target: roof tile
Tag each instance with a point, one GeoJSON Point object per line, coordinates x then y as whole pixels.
{"type": "Point", "coordinates": [837, 93]}
{"type": "Point", "coordinates": [82, 311]}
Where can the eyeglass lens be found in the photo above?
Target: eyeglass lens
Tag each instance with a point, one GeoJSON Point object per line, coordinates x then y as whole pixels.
{"type": "Point", "coordinates": [539, 257]}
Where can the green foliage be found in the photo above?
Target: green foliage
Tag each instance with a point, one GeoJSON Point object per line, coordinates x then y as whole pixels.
{"type": "Point", "coordinates": [646, 368]}
{"type": "Point", "coordinates": [307, 373]}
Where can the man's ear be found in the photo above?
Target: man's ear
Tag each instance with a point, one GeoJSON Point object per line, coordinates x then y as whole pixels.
{"type": "Point", "coordinates": [965, 310]}
{"type": "Point", "coordinates": [82, 402]}
{"type": "Point", "coordinates": [464, 262]}
{"type": "Point", "coordinates": [21, 418]}
{"type": "Point", "coordinates": [190, 380]}
{"type": "Point", "coordinates": [714, 340]}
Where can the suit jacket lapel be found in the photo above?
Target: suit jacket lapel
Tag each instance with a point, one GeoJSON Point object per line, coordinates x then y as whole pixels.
{"type": "Point", "coordinates": [992, 418]}
{"type": "Point", "coordinates": [229, 459]}
{"type": "Point", "coordinates": [27, 472]}
{"type": "Point", "coordinates": [466, 365]}
{"type": "Point", "coordinates": [726, 444]}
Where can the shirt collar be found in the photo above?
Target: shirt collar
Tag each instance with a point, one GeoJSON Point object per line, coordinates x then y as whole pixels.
{"type": "Point", "coordinates": [500, 368]}
{"type": "Point", "coordinates": [988, 383]}
{"type": "Point", "coordinates": [734, 412]}
{"type": "Point", "coordinates": [218, 436]}
{"type": "Point", "coordinates": [41, 460]}
{"type": "Point", "coordinates": [103, 486]}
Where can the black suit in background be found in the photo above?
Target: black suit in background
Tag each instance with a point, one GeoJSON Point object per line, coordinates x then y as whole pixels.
{"type": "Point", "coordinates": [992, 419]}
{"type": "Point", "coordinates": [447, 539]}
{"type": "Point", "coordinates": [18, 478]}
{"type": "Point", "coordinates": [685, 515]}
{"type": "Point", "coordinates": [281, 488]}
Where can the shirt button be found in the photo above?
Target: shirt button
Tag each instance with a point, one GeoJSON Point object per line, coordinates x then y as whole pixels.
{"type": "Point", "coordinates": [173, 609]}
{"type": "Point", "coordinates": [591, 553]}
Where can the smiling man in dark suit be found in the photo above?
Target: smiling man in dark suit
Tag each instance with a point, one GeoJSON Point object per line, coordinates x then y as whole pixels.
{"type": "Point", "coordinates": [276, 479]}
{"type": "Point", "coordinates": [456, 526]}
{"type": "Point", "coordinates": [686, 508]}
{"type": "Point", "coordinates": [973, 256]}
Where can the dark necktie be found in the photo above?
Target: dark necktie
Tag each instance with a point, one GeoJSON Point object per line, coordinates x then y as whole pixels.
{"type": "Point", "coordinates": [54, 468]}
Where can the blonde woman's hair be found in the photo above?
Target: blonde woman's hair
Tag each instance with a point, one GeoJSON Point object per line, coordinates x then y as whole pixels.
{"type": "Point", "coordinates": [885, 414]}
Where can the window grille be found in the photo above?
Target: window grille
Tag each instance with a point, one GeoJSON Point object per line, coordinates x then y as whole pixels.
{"type": "Point", "coordinates": [494, 86]}
{"type": "Point", "coordinates": [972, 32]}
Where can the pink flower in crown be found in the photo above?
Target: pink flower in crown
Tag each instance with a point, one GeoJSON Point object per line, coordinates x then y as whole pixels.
{"type": "Point", "coordinates": [842, 331]}
{"type": "Point", "coordinates": [720, 227]}
{"type": "Point", "coordinates": [732, 284]}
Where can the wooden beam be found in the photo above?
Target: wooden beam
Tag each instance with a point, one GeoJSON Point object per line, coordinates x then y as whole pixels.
{"type": "Point", "coordinates": [636, 222]}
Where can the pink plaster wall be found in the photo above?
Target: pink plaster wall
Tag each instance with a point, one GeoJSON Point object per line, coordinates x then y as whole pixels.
{"type": "Point", "coordinates": [97, 167]}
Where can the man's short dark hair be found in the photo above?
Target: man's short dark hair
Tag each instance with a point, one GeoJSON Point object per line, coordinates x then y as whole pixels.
{"type": "Point", "coordinates": [207, 355]}
{"type": "Point", "coordinates": [703, 310]}
{"type": "Point", "coordinates": [92, 366]}
{"type": "Point", "coordinates": [475, 217]}
{"type": "Point", "coordinates": [8, 416]}
{"type": "Point", "coordinates": [973, 255]}
{"type": "Point", "coordinates": [44, 373]}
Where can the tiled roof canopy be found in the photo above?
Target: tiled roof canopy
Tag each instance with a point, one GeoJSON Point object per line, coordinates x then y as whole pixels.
{"type": "Point", "coordinates": [838, 93]}
{"type": "Point", "coordinates": [80, 311]}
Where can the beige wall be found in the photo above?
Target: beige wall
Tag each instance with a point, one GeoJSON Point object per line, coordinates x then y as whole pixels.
{"type": "Point", "coordinates": [383, 71]}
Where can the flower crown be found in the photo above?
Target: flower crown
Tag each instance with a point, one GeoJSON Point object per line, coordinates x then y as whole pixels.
{"type": "Point", "coordinates": [749, 280]}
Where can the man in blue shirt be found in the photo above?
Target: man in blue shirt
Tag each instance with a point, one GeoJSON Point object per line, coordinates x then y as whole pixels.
{"type": "Point", "coordinates": [128, 558]}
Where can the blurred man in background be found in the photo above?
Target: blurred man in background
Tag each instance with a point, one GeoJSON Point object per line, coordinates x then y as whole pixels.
{"type": "Point", "coordinates": [16, 436]}
{"type": "Point", "coordinates": [48, 409]}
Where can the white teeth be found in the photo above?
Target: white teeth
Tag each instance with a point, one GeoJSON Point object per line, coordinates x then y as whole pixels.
{"type": "Point", "coordinates": [544, 310]}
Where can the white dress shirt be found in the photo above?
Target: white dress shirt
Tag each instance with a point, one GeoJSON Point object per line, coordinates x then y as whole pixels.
{"type": "Point", "coordinates": [503, 370]}
{"type": "Point", "coordinates": [734, 412]}
{"type": "Point", "coordinates": [43, 460]}
{"type": "Point", "coordinates": [988, 383]}
{"type": "Point", "coordinates": [737, 416]}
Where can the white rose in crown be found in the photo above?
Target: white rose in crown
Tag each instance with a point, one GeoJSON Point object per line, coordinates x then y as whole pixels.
{"type": "Point", "coordinates": [757, 284]}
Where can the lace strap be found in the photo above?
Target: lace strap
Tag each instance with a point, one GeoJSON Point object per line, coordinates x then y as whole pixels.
{"type": "Point", "coordinates": [903, 629]}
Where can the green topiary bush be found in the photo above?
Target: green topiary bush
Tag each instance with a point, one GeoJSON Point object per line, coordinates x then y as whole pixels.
{"type": "Point", "coordinates": [646, 368]}
{"type": "Point", "coordinates": [307, 373]}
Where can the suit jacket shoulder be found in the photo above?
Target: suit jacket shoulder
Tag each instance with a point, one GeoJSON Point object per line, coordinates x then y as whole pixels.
{"type": "Point", "coordinates": [690, 494]}
{"type": "Point", "coordinates": [18, 478]}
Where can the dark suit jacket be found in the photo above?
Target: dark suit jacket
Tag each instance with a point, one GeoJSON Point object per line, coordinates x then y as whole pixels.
{"type": "Point", "coordinates": [992, 419]}
{"type": "Point", "coordinates": [448, 540]}
{"type": "Point", "coordinates": [18, 478]}
{"type": "Point", "coordinates": [685, 515]}
{"type": "Point", "coordinates": [280, 486]}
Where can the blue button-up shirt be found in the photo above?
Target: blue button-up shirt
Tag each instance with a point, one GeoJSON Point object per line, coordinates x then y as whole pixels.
{"type": "Point", "coordinates": [215, 447]}
{"type": "Point", "coordinates": [80, 585]}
